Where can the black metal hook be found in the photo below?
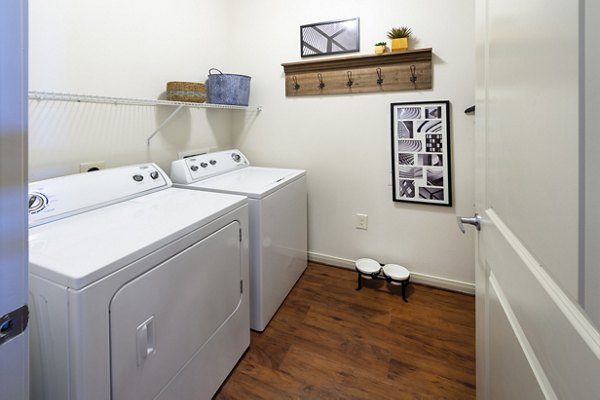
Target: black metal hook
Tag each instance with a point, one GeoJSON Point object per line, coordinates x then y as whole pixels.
{"type": "Point", "coordinates": [413, 74]}
{"type": "Point", "coordinates": [379, 77]}
{"type": "Point", "coordinates": [321, 83]}
{"type": "Point", "coordinates": [296, 86]}
{"type": "Point", "coordinates": [350, 81]}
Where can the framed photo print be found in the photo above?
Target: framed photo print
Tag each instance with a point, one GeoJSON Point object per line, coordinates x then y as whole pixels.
{"type": "Point", "coordinates": [330, 37]}
{"type": "Point", "coordinates": [421, 152]}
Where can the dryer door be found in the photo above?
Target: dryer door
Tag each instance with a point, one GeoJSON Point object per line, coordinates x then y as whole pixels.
{"type": "Point", "coordinates": [162, 320]}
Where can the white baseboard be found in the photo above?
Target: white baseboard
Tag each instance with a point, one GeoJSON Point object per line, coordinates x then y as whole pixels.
{"type": "Point", "coordinates": [435, 281]}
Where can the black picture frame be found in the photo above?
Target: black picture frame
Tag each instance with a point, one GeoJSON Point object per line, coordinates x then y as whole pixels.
{"type": "Point", "coordinates": [420, 133]}
{"type": "Point", "coordinates": [331, 37]}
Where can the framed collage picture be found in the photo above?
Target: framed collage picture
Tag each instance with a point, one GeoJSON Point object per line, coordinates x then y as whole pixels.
{"type": "Point", "coordinates": [421, 152]}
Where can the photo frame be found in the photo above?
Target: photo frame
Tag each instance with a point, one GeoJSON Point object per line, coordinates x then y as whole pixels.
{"type": "Point", "coordinates": [331, 37]}
{"type": "Point", "coordinates": [421, 152]}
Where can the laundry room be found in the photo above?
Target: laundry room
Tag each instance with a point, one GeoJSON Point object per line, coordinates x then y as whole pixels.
{"type": "Point", "coordinates": [93, 65]}
{"type": "Point", "coordinates": [393, 200]}
{"type": "Point", "coordinates": [132, 49]}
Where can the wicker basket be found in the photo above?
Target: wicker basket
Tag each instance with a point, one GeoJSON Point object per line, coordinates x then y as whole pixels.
{"type": "Point", "coordinates": [186, 91]}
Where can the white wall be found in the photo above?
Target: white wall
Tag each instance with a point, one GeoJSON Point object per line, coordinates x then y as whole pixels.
{"type": "Point", "coordinates": [132, 48]}
{"type": "Point", "coordinates": [344, 141]}
{"type": "Point", "coordinates": [126, 49]}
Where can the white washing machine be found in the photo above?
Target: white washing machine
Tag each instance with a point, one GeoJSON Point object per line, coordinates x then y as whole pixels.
{"type": "Point", "coordinates": [278, 221]}
{"type": "Point", "coordinates": [138, 290]}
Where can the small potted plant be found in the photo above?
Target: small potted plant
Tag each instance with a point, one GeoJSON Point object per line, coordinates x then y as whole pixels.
{"type": "Point", "coordinates": [399, 37]}
{"type": "Point", "coordinates": [380, 47]}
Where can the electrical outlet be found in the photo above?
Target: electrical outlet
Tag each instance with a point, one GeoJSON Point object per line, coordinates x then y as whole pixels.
{"type": "Point", "coordinates": [92, 166]}
{"type": "Point", "coordinates": [362, 221]}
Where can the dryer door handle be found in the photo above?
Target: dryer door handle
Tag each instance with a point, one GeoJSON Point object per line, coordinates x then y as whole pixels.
{"type": "Point", "coordinates": [145, 340]}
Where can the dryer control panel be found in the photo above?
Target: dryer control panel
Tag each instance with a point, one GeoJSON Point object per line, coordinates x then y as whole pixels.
{"type": "Point", "coordinates": [60, 197]}
{"type": "Point", "coordinates": [204, 166]}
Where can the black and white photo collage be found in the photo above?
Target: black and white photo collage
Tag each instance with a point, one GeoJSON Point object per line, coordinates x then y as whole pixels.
{"type": "Point", "coordinates": [420, 152]}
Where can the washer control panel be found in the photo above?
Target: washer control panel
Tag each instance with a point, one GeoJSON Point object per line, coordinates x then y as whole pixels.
{"type": "Point", "coordinates": [204, 166]}
{"type": "Point", "coordinates": [60, 197]}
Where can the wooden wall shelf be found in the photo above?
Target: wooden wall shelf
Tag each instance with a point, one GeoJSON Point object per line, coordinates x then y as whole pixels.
{"type": "Point", "coordinates": [389, 72]}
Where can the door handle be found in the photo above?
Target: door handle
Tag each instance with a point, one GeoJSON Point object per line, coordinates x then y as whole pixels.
{"type": "Point", "coordinates": [145, 340]}
{"type": "Point", "coordinates": [474, 220]}
{"type": "Point", "coordinates": [13, 323]}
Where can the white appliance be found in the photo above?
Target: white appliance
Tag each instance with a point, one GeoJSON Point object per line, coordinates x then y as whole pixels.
{"type": "Point", "coordinates": [278, 221]}
{"type": "Point", "coordinates": [138, 290]}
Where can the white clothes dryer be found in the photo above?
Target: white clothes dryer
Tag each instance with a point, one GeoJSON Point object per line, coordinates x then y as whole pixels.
{"type": "Point", "coordinates": [138, 290]}
{"type": "Point", "coordinates": [277, 201]}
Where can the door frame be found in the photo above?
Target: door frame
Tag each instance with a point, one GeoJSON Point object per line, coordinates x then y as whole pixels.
{"type": "Point", "coordinates": [13, 198]}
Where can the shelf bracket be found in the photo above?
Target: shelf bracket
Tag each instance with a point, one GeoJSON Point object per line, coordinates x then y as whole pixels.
{"type": "Point", "coordinates": [166, 121]}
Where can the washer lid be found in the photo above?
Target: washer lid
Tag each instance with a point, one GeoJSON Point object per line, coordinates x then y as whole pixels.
{"type": "Point", "coordinates": [254, 182]}
{"type": "Point", "coordinates": [83, 248]}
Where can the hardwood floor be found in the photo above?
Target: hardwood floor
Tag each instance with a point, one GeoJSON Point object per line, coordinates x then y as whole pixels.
{"type": "Point", "coordinates": [328, 341]}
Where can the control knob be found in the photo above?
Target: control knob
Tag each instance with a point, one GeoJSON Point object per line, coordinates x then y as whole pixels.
{"type": "Point", "coordinates": [37, 202]}
{"type": "Point", "coordinates": [194, 168]}
{"type": "Point", "coordinates": [203, 164]}
{"type": "Point", "coordinates": [213, 162]}
{"type": "Point", "coordinates": [138, 178]}
{"type": "Point", "coordinates": [154, 174]}
{"type": "Point", "coordinates": [236, 157]}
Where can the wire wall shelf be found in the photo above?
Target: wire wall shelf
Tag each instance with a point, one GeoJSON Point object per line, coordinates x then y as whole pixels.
{"type": "Point", "coordinates": [53, 96]}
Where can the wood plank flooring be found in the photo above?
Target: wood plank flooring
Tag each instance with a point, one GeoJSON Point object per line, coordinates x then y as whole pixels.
{"type": "Point", "coordinates": [328, 341]}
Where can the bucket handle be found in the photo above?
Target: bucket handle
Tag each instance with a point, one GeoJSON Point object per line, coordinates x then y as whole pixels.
{"type": "Point", "coordinates": [209, 71]}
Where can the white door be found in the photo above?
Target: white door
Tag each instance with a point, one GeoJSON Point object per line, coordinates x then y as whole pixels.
{"type": "Point", "coordinates": [536, 334]}
{"type": "Point", "coordinates": [13, 199]}
{"type": "Point", "coordinates": [162, 322]}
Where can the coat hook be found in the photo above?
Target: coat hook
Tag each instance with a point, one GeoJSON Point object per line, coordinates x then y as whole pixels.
{"type": "Point", "coordinates": [379, 77]}
{"type": "Point", "coordinates": [321, 83]}
{"type": "Point", "coordinates": [350, 81]}
{"type": "Point", "coordinates": [413, 74]}
{"type": "Point", "coordinates": [296, 86]}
